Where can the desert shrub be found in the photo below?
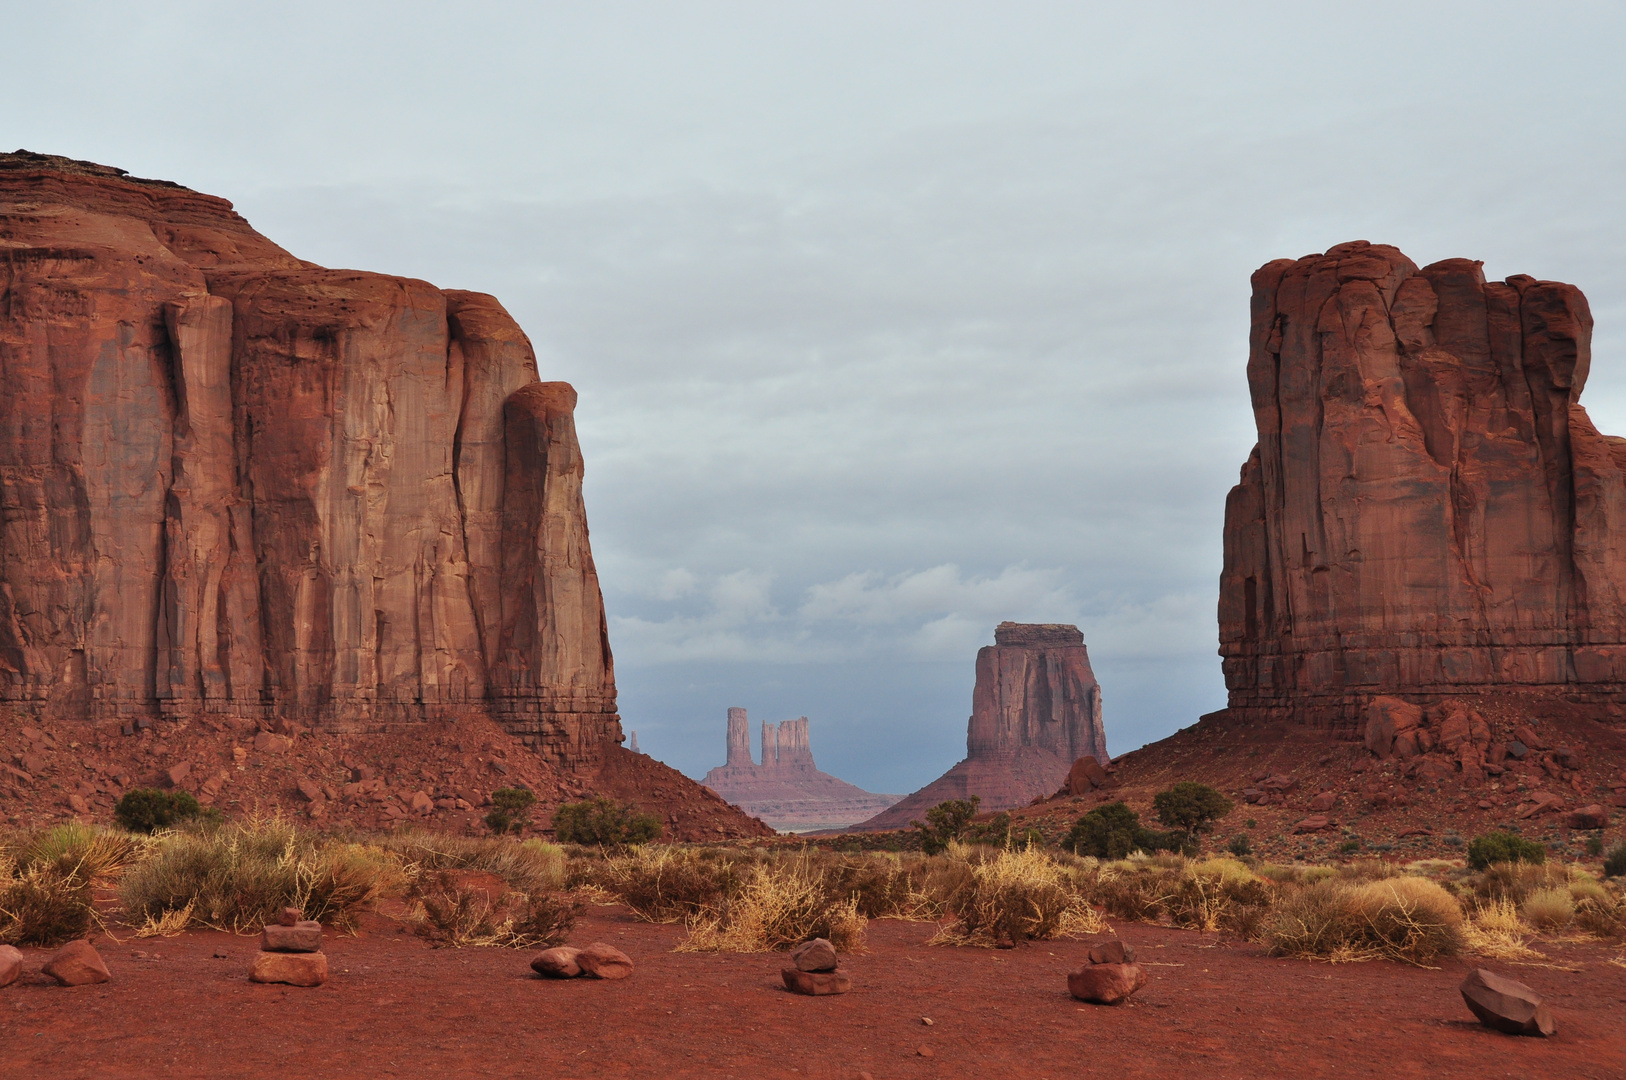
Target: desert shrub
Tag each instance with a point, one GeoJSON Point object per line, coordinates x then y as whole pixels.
{"type": "Point", "coordinates": [39, 908]}
{"type": "Point", "coordinates": [669, 884]}
{"type": "Point", "coordinates": [240, 875]}
{"type": "Point", "coordinates": [1403, 918]}
{"type": "Point", "coordinates": [1014, 896]}
{"type": "Point", "coordinates": [945, 822]}
{"type": "Point", "coordinates": [1240, 846]}
{"type": "Point", "coordinates": [529, 866]}
{"type": "Point", "coordinates": [510, 809]}
{"type": "Point", "coordinates": [996, 831]}
{"type": "Point", "coordinates": [1503, 847]}
{"type": "Point", "coordinates": [883, 887]}
{"type": "Point", "coordinates": [1515, 880]}
{"type": "Point", "coordinates": [1114, 830]}
{"type": "Point", "coordinates": [146, 810]}
{"type": "Point", "coordinates": [1614, 864]}
{"type": "Point", "coordinates": [1493, 929]}
{"type": "Point", "coordinates": [449, 910]}
{"type": "Point", "coordinates": [1365, 870]}
{"type": "Point", "coordinates": [1350, 846]}
{"type": "Point", "coordinates": [1594, 845]}
{"type": "Point", "coordinates": [1218, 895]}
{"type": "Point", "coordinates": [1585, 886]}
{"type": "Point", "coordinates": [1548, 909]}
{"type": "Point", "coordinates": [604, 822]}
{"type": "Point", "coordinates": [48, 877]}
{"type": "Point", "coordinates": [778, 905]}
{"type": "Point", "coordinates": [1314, 922]}
{"type": "Point", "coordinates": [1190, 807]}
{"type": "Point", "coordinates": [1603, 917]}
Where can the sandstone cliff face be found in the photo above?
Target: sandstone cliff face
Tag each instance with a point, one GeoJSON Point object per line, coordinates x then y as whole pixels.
{"type": "Point", "coordinates": [1036, 709]}
{"type": "Point", "coordinates": [1428, 510]}
{"type": "Point", "coordinates": [787, 791]}
{"type": "Point", "coordinates": [234, 483]}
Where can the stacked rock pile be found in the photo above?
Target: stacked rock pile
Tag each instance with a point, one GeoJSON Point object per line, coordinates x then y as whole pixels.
{"type": "Point", "coordinates": [291, 952]}
{"type": "Point", "coordinates": [1109, 977]}
{"type": "Point", "coordinates": [597, 961]}
{"type": "Point", "coordinates": [814, 972]}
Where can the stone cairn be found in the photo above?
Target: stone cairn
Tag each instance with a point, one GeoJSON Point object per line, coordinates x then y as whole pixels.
{"type": "Point", "coordinates": [291, 952]}
{"type": "Point", "coordinates": [1109, 976]}
{"type": "Point", "coordinates": [597, 961]}
{"type": "Point", "coordinates": [813, 971]}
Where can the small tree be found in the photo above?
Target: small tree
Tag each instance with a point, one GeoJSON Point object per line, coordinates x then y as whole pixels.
{"type": "Point", "coordinates": [1190, 807]}
{"type": "Point", "coordinates": [946, 821]}
{"type": "Point", "coordinates": [1495, 847]}
{"type": "Point", "coordinates": [604, 822]}
{"type": "Point", "coordinates": [146, 810]}
{"type": "Point", "coordinates": [510, 809]}
{"type": "Point", "coordinates": [1107, 832]}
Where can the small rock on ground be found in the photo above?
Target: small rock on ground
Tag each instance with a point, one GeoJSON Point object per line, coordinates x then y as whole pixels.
{"type": "Point", "coordinates": [815, 955]}
{"type": "Point", "coordinates": [604, 961]}
{"type": "Point", "coordinates": [559, 963]}
{"type": "Point", "coordinates": [1106, 984]}
{"type": "Point", "coordinates": [1112, 952]}
{"type": "Point", "coordinates": [77, 964]}
{"type": "Point", "coordinates": [304, 936]}
{"type": "Point", "coordinates": [816, 983]}
{"type": "Point", "coordinates": [11, 965]}
{"type": "Point", "coordinates": [295, 969]}
{"type": "Point", "coordinates": [1506, 1005]}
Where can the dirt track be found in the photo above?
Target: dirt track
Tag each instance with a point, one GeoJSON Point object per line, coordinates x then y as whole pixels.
{"type": "Point", "coordinates": [395, 1007]}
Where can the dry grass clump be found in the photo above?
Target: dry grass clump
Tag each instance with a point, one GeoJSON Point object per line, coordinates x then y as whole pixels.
{"type": "Point", "coordinates": [669, 884]}
{"type": "Point", "coordinates": [1603, 917]}
{"type": "Point", "coordinates": [779, 904]}
{"type": "Point", "coordinates": [528, 866]}
{"type": "Point", "coordinates": [1013, 896]}
{"type": "Point", "coordinates": [1494, 929]}
{"type": "Point", "coordinates": [238, 876]}
{"type": "Point", "coordinates": [48, 878]}
{"type": "Point", "coordinates": [450, 909]}
{"type": "Point", "coordinates": [1409, 919]}
{"type": "Point", "coordinates": [1548, 909]}
{"type": "Point", "coordinates": [1219, 895]}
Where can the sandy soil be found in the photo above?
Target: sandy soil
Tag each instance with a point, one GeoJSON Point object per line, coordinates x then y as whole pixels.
{"type": "Point", "coordinates": [183, 1007]}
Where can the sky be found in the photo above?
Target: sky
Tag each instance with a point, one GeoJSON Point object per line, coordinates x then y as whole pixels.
{"type": "Point", "coordinates": [890, 321]}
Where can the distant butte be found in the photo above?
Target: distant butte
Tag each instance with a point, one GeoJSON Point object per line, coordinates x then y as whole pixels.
{"type": "Point", "coordinates": [787, 791]}
{"type": "Point", "coordinates": [1035, 710]}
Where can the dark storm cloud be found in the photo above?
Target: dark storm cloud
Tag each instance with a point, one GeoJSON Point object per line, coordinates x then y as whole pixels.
{"type": "Point", "coordinates": [889, 322]}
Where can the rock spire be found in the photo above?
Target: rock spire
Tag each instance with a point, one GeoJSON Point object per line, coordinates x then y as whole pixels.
{"type": "Point", "coordinates": [787, 791]}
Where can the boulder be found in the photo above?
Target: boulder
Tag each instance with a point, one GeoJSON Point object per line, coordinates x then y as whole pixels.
{"type": "Point", "coordinates": [815, 955]}
{"type": "Point", "coordinates": [1455, 730]}
{"type": "Point", "coordinates": [1591, 816]}
{"type": "Point", "coordinates": [1085, 775]}
{"type": "Point", "coordinates": [304, 936]}
{"type": "Point", "coordinates": [309, 790]}
{"type": "Point", "coordinates": [603, 961]}
{"type": "Point", "coordinates": [1112, 952]}
{"type": "Point", "coordinates": [1406, 745]}
{"type": "Point", "coordinates": [557, 963]}
{"type": "Point", "coordinates": [1324, 802]}
{"type": "Point", "coordinates": [1506, 1005]}
{"type": "Point", "coordinates": [77, 964]}
{"type": "Point", "coordinates": [1313, 823]}
{"type": "Point", "coordinates": [1540, 802]}
{"type": "Point", "coordinates": [177, 775]}
{"type": "Point", "coordinates": [1106, 984]}
{"type": "Point", "coordinates": [421, 802]}
{"type": "Point", "coordinates": [1527, 735]}
{"type": "Point", "coordinates": [815, 983]}
{"type": "Point", "coordinates": [11, 965]}
{"type": "Point", "coordinates": [293, 968]}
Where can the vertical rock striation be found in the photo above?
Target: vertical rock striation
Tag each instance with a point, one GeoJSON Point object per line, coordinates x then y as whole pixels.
{"type": "Point", "coordinates": [1036, 708]}
{"type": "Point", "coordinates": [1429, 509]}
{"type": "Point", "coordinates": [234, 483]}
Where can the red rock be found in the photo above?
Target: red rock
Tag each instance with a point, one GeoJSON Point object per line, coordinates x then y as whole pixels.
{"type": "Point", "coordinates": [267, 743]}
{"type": "Point", "coordinates": [604, 961]}
{"type": "Point", "coordinates": [787, 790]}
{"type": "Point", "coordinates": [289, 916]}
{"type": "Point", "coordinates": [1314, 823]}
{"type": "Point", "coordinates": [177, 774]}
{"type": "Point", "coordinates": [557, 963]}
{"type": "Point", "coordinates": [1112, 952]}
{"type": "Point", "coordinates": [816, 983]}
{"type": "Point", "coordinates": [1435, 769]}
{"type": "Point", "coordinates": [1035, 710]}
{"type": "Point", "coordinates": [1429, 508]}
{"type": "Point", "coordinates": [1405, 745]}
{"type": "Point", "coordinates": [1496, 753]}
{"type": "Point", "coordinates": [304, 936]}
{"type": "Point", "coordinates": [1506, 1005]}
{"type": "Point", "coordinates": [78, 805]}
{"type": "Point", "coordinates": [11, 965]}
{"type": "Point", "coordinates": [1592, 816]}
{"type": "Point", "coordinates": [1324, 802]}
{"type": "Point", "coordinates": [76, 964]}
{"type": "Point", "coordinates": [1455, 731]}
{"type": "Point", "coordinates": [1527, 735]}
{"type": "Point", "coordinates": [1540, 802]}
{"type": "Point", "coordinates": [421, 802]}
{"type": "Point", "coordinates": [293, 968]}
{"type": "Point", "coordinates": [309, 790]}
{"type": "Point", "coordinates": [815, 955]}
{"type": "Point", "coordinates": [1106, 984]}
{"type": "Point", "coordinates": [1085, 776]}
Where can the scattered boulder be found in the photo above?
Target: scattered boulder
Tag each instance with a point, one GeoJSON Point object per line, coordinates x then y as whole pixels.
{"type": "Point", "coordinates": [292, 968]}
{"type": "Point", "coordinates": [603, 961]}
{"type": "Point", "coordinates": [177, 774]}
{"type": "Point", "coordinates": [1085, 775]}
{"type": "Point", "coordinates": [11, 965]}
{"type": "Point", "coordinates": [1324, 802]}
{"type": "Point", "coordinates": [77, 964]}
{"type": "Point", "coordinates": [557, 963]}
{"type": "Point", "coordinates": [1112, 952]}
{"type": "Point", "coordinates": [1106, 984]}
{"type": "Point", "coordinates": [1592, 816]}
{"type": "Point", "coordinates": [815, 955]}
{"type": "Point", "coordinates": [305, 936]}
{"type": "Point", "coordinates": [1526, 735]}
{"type": "Point", "coordinates": [421, 802]}
{"type": "Point", "coordinates": [1540, 802]}
{"type": "Point", "coordinates": [1387, 717]}
{"type": "Point", "coordinates": [1313, 823]}
{"type": "Point", "coordinates": [309, 790]}
{"type": "Point", "coordinates": [815, 983]}
{"type": "Point", "coordinates": [1506, 1005]}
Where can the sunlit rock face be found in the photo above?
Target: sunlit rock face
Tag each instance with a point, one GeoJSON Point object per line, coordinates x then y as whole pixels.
{"type": "Point", "coordinates": [237, 484]}
{"type": "Point", "coordinates": [1429, 510]}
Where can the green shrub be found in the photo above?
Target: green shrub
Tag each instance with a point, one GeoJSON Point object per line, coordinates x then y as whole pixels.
{"type": "Point", "coordinates": [1114, 830]}
{"type": "Point", "coordinates": [1503, 847]}
{"type": "Point", "coordinates": [947, 821]}
{"type": "Point", "coordinates": [1190, 807]}
{"type": "Point", "coordinates": [1614, 864]}
{"type": "Point", "coordinates": [510, 809]}
{"type": "Point", "coordinates": [604, 822]}
{"type": "Point", "coordinates": [1240, 846]}
{"type": "Point", "coordinates": [146, 810]}
{"type": "Point", "coordinates": [1350, 846]}
{"type": "Point", "coordinates": [1594, 845]}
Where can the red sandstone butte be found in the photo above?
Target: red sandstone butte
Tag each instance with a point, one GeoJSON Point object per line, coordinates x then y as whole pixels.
{"type": "Point", "coordinates": [238, 484]}
{"type": "Point", "coordinates": [1036, 709]}
{"type": "Point", "coordinates": [1428, 510]}
{"type": "Point", "coordinates": [787, 791]}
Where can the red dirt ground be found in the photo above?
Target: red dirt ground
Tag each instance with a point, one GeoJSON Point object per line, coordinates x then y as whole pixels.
{"type": "Point", "coordinates": [395, 1007]}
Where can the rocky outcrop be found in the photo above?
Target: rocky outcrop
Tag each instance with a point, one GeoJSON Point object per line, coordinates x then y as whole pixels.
{"type": "Point", "coordinates": [1036, 709]}
{"type": "Point", "coordinates": [787, 791]}
{"type": "Point", "coordinates": [236, 484]}
{"type": "Point", "coordinates": [1429, 510]}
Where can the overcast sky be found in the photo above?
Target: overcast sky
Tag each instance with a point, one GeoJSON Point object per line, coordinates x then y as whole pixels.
{"type": "Point", "coordinates": [889, 320]}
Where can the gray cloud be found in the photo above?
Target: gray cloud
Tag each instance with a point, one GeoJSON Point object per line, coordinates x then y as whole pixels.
{"type": "Point", "coordinates": [889, 322]}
